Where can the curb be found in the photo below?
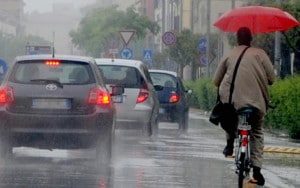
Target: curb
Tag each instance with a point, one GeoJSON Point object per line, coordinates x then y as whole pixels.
{"type": "Point", "coordinates": [288, 150]}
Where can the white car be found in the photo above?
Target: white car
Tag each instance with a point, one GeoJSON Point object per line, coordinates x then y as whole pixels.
{"type": "Point", "coordinates": [138, 106]}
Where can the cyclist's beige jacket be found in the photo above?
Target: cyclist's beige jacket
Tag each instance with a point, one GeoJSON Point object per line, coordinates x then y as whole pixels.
{"type": "Point", "coordinates": [254, 75]}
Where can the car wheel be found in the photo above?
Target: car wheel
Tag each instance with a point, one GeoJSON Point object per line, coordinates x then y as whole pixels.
{"type": "Point", "coordinates": [147, 129]}
{"type": "Point", "coordinates": [154, 127]}
{"type": "Point", "coordinates": [6, 150]}
{"type": "Point", "coordinates": [183, 122]}
{"type": "Point", "coordinates": [104, 148]}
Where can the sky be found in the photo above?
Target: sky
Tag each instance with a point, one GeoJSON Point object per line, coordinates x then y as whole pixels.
{"type": "Point", "coordinates": [46, 5]}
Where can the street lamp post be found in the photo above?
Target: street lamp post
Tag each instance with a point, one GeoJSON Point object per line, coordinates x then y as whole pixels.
{"type": "Point", "coordinates": [277, 50]}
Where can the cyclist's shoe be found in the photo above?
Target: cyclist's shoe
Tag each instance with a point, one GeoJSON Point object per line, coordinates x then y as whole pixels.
{"type": "Point", "coordinates": [228, 152]}
{"type": "Point", "coordinates": [258, 178]}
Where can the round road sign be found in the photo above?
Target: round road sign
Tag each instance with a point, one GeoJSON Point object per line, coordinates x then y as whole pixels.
{"type": "Point", "coordinates": [126, 53]}
{"type": "Point", "coordinates": [169, 38]}
{"type": "Point", "coordinates": [3, 68]}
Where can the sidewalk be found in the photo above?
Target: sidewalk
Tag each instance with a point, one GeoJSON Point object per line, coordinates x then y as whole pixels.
{"type": "Point", "coordinates": [273, 142]}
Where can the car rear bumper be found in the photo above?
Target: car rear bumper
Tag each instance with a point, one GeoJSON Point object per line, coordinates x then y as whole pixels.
{"type": "Point", "coordinates": [171, 112]}
{"type": "Point", "coordinates": [55, 131]}
{"type": "Point", "coordinates": [134, 119]}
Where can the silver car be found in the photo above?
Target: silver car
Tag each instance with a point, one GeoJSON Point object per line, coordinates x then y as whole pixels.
{"type": "Point", "coordinates": [138, 106]}
{"type": "Point", "coordinates": [56, 102]}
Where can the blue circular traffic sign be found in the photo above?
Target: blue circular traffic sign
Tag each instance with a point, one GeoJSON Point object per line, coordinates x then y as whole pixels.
{"type": "Point", "coordinates": [169, 38]}
{"type": "Point", "coordinates": [126, 53]}
{"type": "Point", "coordinates": [202, 43]}
{"type": "Point", "coordinates": [3, 68]}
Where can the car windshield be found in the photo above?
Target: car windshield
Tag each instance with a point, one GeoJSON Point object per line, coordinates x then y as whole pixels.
{"type": "Point", "coordinates": [165, 80]}
{"type": "Point", "coordinates": [64, 72]}
{"type": "Point", "coordinates": [128, 77]}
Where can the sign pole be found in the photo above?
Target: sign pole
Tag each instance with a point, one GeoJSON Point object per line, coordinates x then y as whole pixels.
{"type": "Point", "coordinates": [207, 38]}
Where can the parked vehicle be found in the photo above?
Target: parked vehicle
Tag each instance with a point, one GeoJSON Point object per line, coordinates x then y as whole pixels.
{"type": "Point", "coordinates": [173, 98]}
{"type": "Point", "coordinates": [138, 106]}
{"type": "Point", "coordinates": [56, 102]}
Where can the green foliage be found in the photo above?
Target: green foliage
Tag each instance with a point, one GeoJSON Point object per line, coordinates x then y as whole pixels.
{"type": "Point", "coordinates": [102, 25]}
{"type": "Point", "coordinates": [184, 52]}
{"type": "Point", "coordinates": [193, 99]}
{"type": "Point", "coordinates": [285, 95]}
{"type": "Point", "coordinates": [207, 93]}
{"type": "Point", "coordinates": [204, 93]}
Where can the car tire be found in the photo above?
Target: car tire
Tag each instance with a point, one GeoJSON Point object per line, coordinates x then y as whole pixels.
{"type": "Point", "coordinates": [183, 122]}
{"type": "Point", "coordinates": [104, 148]}
{"type": "Point", "coordinates": [147, 129]}
{"type": "Point", "coordinates": [6, 150]}
{"type": "Point", "coordinates": [155, 127]}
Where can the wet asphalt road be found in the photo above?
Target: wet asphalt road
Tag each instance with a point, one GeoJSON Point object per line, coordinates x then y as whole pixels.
{"type": "Point", "coordinates": [169, 160]}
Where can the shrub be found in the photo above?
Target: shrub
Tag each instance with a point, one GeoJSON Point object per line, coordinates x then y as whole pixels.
{"type": "Point", "coordinates": [192, 97]}
{"type": "Point", "coordinates": [285, 94]}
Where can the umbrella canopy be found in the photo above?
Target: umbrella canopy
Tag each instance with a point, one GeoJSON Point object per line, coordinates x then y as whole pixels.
{"type": "Point", "coordinates": [259, 19]}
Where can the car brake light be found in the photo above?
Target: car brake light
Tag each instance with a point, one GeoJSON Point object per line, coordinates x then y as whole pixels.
{"type": "Point", "coordinates": [143, 94]}
{"type": "Point", "coordinates": [52, 63]}
{"type": "Point", "coordinates": [99, 97]}
{"type": "Point", "coordinates": [6, 95]}
{"type": "Point", "coordinates": [174, 98]}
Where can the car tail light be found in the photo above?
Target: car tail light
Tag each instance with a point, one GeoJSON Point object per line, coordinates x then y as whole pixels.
{"type": "Point", "coordinates": [6, 95]}
{"type": "Point", "coordinates": [174, 98]}
{"type": "Point", "coordinates": [143, 94]}
{"type": "Point", "coordinates": [99, 97]}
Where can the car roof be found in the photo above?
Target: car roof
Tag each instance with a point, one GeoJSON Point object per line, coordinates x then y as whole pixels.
{"type": "Point", "coordinates": [59, 57]}
{"type": "Point", "coordinates": [163, 71]}
{"type": "Point", "coordinates": [119, 62]}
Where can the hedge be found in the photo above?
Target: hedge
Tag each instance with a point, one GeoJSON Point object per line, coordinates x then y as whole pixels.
{"type": "Point", "coordinates": [284, 94]}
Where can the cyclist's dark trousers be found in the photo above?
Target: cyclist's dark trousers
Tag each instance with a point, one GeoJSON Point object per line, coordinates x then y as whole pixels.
{"type": "Point", "coordinates": [257, 139]}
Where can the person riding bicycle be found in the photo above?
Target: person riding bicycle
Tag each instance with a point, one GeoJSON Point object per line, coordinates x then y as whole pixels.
{"type": "Point", "coordinates": [254, 74]}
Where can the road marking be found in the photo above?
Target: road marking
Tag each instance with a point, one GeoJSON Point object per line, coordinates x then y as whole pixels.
{"type": "Point", "coordinates": [282, 150]}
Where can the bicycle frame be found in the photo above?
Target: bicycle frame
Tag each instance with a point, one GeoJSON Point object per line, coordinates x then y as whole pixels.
{"type": "Point", "coordinates": [242, 146]}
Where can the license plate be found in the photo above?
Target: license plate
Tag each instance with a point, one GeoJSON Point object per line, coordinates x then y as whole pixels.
{"type": "Point", "coordinates": [51, 103]}
{"type": "Point", "coordinates": [118, 99]}
{"type": "Point", "coordinates": [162, 110]}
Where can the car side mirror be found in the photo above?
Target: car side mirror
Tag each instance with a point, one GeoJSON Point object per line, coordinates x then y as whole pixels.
{"type": "Point", "coordinates": [158, 87]}
{"type": "Point", "coordinates": [116, 90]}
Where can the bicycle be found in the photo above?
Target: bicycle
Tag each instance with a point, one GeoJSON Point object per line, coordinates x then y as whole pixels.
{"type": "Point", "coordinates": [242, 146]}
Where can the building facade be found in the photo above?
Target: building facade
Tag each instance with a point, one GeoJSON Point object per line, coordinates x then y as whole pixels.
{"type": "Point", "coordinates": [11, 16]}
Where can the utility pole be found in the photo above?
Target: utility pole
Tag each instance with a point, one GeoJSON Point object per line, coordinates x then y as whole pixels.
{"type": "Point", "coordinates": [232, 4]}
{"type": "Point", "coordinates": [207, 37]}
{"type": "Point", "coordinates": [277, 51]}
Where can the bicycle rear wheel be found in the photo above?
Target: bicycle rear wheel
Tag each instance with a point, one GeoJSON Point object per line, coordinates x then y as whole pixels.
{"type": "Point", "coordinates": [241, 174]}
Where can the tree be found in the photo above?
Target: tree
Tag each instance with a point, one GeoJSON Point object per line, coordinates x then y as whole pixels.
{"type": "Point", "coordinates": [102, 25]}
{"type": "Point", "coordinates": [12, 46]}
{"type": "Point", "coordinates": [185, 51]}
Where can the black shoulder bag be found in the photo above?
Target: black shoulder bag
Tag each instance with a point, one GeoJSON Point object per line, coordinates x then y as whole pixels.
{"type": "Point", "coordinates": [225, 113]}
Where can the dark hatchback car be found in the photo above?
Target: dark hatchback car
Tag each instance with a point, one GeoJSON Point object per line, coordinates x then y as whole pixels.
{"type": "Point", "coordinates": [56, 102]}
{"type": "Point", "coordinates": [173, 98]}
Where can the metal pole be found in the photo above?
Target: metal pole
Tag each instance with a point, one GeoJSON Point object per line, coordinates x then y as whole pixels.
{"type": "Point", "coordinates": [232, 4]}
{"type": "Point", "coordinates": [277, 50]}
{"type": "Point", "coordinates": [207, 38]}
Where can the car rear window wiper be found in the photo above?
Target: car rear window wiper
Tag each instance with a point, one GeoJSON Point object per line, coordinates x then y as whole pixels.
{"type": "Point", "coordinates": [48, 81]}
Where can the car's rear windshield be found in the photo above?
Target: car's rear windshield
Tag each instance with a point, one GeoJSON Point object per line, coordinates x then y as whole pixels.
{"type": "Point", "coordinates": [65, 72]}
{"type": "Point", "coordinates": [165, 80]}
{"type": "Point", "coordinates": [128, 77]}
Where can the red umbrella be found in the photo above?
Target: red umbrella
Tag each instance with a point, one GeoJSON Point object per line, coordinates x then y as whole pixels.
{"type": "Point", "coordinates": [258, 19]}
